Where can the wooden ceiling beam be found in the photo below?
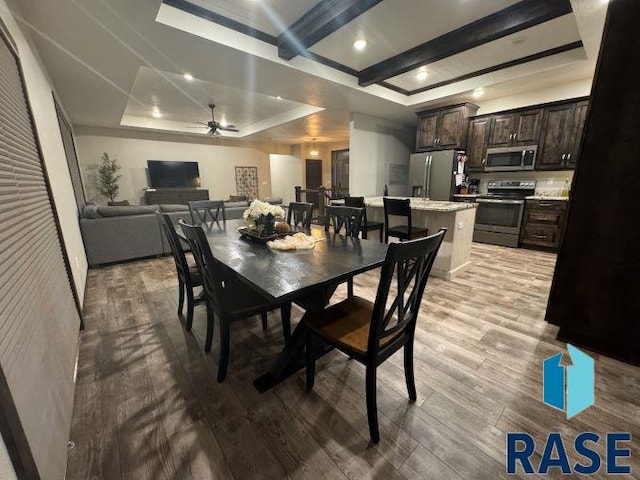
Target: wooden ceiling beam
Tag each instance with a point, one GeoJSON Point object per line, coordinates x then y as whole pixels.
{"type": "Point", "coordinates": [321, 21]}
{"type": "Point", "coordinates": [518, 17]}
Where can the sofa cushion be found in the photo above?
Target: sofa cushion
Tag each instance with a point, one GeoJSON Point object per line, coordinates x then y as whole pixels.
{"type": "Point", "coordinates": [273, 200]}
{"type": "Point", "coordinates": [90, 210]}
{"type": "Point", "coordinates": [243, 204]}
{"type": "Point", "coordinates": [174, 208]}
{"type": "Point", "coordinates": [125, 211]}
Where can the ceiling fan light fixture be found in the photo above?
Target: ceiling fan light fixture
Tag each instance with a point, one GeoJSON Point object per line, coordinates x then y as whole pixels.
{"type": "Point", "coordinates": [478, 92]}
{"type": "Point", "coordinates": [188, 77]}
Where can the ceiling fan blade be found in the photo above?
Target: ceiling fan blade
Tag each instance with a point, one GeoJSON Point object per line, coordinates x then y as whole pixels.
{"type": "Point", "coordinates": [229, 128]}
{"type": "Point", "coordinates": [203, 126]}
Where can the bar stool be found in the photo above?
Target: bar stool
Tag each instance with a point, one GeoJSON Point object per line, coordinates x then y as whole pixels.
{"type": "Point", "coordinates": [400, 208]}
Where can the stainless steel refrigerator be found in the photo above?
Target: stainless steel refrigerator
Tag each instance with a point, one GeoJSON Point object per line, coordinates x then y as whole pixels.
{"type": "Point", "coordinates": [431, 174]}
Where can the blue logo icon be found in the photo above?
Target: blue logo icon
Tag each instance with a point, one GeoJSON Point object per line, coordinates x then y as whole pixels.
{"type": "Point", "coordinates": [570, 389]}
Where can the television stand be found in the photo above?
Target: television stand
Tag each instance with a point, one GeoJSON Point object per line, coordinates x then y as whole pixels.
{"type": "Point", "coordinates": [175, 196]}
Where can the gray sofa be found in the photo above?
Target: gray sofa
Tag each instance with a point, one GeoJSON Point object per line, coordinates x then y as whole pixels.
{"type": "Point", "coordinates": [118, 233]}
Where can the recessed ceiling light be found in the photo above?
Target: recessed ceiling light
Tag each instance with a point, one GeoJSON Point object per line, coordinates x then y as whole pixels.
{"type": "Point", "coordinates": [478, 92]}
{"type": "Point", "coordinates": [360, 44]}
{"type": "Point", "coordinates": [422, 74]}
{"type": "Point", "coordinates": [278, 97]}
{"type": "Point", "coordinates": [188, 76]}
{"type": "Point", "coordinates": [156, 113]}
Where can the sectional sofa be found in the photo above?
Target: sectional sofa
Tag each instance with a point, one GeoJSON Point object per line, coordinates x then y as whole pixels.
{"type": "Point", "coordinates": [118, 233]}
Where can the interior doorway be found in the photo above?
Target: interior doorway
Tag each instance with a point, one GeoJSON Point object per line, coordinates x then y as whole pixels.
{"type": "Point", "coordinates": [340, 172]}
{"type": "Point", "coordinates": [313, 179]}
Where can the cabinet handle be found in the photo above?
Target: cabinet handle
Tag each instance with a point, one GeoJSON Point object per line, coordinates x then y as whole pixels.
{"type": "Point", "coordinates": [564, 155]}
{"type": "Point", "coordinates": [539, 236]}
{"type": "Point", "coordinates": [545, 205]}
{"type": "Point", "coordinates": [484, 160]}
{"type": "Point", "coordinates": [568, 156]}
{"type": "Point", "coordinates": [515, 136]}
{"type": "Point", "coordinates": [511, 136]}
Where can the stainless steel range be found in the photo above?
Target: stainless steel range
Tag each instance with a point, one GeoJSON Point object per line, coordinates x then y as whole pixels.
{"type": "Point", "coordinates": [499, 213]}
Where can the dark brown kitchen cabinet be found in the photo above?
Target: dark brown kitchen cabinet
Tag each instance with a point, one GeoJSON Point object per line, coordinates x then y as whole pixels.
{"type": "Point", "coordinates": [515, 129]}
{"type": "Point", "coordinates": [562, 134]}
{"type": "Point", "coordinates": [542, 224]}
{"type": "Point", "coordinates": [477, 144]}
{"type": "Point", "coordinates": [445, 128]}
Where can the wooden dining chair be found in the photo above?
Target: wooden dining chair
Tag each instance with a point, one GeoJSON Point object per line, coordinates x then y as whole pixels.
{"type": "Point", "coordinates": [400, 208]}
{"type": "Point", "coordinates": [299, 214]}
{"type": "Point", "coordinates": [203, 211]}
{"type": "Point", "coordinates": [367, 226]}
{"type": "Point", "coordinates": [349, 218]}
{"type": "Point", "coordinates": [372, 332]}
{"type": "Point", "coordinates": [227, 298]}
{"type": "Point", "coordinates": [188, 276]}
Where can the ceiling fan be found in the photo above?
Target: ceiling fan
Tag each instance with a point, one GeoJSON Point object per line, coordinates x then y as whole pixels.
{"type": "Point", "coordinates": [216, 127]}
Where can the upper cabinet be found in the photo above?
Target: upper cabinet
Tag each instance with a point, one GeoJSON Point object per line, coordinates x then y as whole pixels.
{"type": "Point", "coordinates": [515, 129]}
{"type": "Point", "coordinates": [477, 143]}
{"type": "Point", "coordinates": [562, 133]}
{"type": "Point", "coordinates": [445, 128]}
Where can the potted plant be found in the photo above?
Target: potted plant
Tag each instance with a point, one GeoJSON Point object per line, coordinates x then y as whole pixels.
{"type": "Point", "coordinates": [261, 217]}
{"type": "Point", "coordinates": [108, 177]}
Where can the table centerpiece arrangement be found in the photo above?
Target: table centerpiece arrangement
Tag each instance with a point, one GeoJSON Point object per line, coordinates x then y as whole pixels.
{"type": "Point", "coordinates": [261, 220]}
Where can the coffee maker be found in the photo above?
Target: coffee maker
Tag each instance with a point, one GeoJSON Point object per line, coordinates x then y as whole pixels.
{"type": "Point", "coordinates": [474, 186]}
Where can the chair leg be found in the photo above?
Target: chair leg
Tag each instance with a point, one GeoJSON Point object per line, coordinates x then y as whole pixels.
{"type": "Point", "coordinates": [190, 302]}
{"type": "Point", "coordinates": [210, 324]}
{"type": "Point", "coordinates": [372, 404]}
{"type": "Point", "coordinates": [381, 232]}
{"type": "Point", "coordinates": [310, 360]}
{"type": "Point", "coordinates": [180, 296]}
{"type": "Point", "coordinates": [285, 313]}
{"type": "Point", "coordinates": [224, 350]}
{"type": "Point", "coordinates": [263, 317]}
{"type": "Point", "coordinates": [408, 370]}
{"type": "Point", "coordinates": [350, 287]}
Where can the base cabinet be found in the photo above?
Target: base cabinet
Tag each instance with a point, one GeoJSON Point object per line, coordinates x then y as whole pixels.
{"type": "Point", "coordinates": [175, 196]}
{"type": "Point", "coordinates": [542, 224]}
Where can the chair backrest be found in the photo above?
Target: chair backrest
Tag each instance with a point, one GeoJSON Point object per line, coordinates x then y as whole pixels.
{"type": "Point", "coordinates": [348, 217]}
{"type": "Point", "coordinates": [177, 251]}
{"type": "Point", "coordinates": [207, 211]}
{"type": "Point", "coordinates": [208, 266]}
{"type": "Point", "coordinates": [400, 207]}
{"type": "Point", "coordinates": [410, 263]}
{"type": "Point", "coordinates": [299, 214]}
{"type": "Point", "coordinates": [357, 202]}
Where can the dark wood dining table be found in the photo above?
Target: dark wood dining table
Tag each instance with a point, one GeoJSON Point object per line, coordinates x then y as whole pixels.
{"type": "Point", "coordinates": [307, 277]}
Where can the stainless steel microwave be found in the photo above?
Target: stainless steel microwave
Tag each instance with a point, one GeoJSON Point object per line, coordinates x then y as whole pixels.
{"type": "Point", "coordinates": [510, 159]}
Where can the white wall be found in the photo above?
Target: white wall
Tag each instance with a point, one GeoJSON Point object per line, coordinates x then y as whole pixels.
{"type": "Point", "coordinates": [374, 144]}
{"type": "Point", "coordinates": [581, 88]}
{"type": "Point", "coordinates": [287, 171]}
{"type": "Point", "coordinates": [215, 162]}
{"type": "Point", "coordinates": [39, 89]}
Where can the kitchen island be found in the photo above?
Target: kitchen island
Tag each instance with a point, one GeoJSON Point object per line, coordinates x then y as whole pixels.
{"type": "Point", "coordinates": [457, 217]}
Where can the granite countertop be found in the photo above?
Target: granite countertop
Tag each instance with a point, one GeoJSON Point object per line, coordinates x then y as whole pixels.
{"type": "Point", "coordinates": [467, 195]}
{"type": "Point", "coordinates": [424, 204]}
{"type": "Point", "coordinates": [547, 197]}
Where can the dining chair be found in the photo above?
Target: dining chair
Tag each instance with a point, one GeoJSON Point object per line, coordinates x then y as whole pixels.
{"type": "Point", "coordinates": [371, 332]}
{"type": "Point", "coordinates": [367, 226]}
{"type": "Point", "coordinates": [203, 211]}
{"type": "Point", "coordinates": [188, 276]}
{"type": "Point", "coordinates": [299, 214]}
{"type": "Point", "coordinates": [351, 219]}
{"type": "Point", "coordinates": [400, 208]}
{"type": "Point", "coordinates": [348, 217]}
{"type": "Point", "coordinates": [227, 298]}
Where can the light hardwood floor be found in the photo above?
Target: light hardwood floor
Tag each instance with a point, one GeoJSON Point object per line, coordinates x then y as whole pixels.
{"type": "Point", "coordinates": [148, 405]}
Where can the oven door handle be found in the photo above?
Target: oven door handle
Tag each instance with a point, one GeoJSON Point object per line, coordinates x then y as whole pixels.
{"type": "Point", "coordinates": [507, 202]}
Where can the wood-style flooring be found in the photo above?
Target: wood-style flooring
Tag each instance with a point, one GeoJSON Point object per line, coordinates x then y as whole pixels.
{"type": "Point", "coordinates": [148, 405]}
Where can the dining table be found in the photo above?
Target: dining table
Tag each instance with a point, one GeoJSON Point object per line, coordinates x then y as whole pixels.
{"type": "Point", "coordinates": [306, 277]}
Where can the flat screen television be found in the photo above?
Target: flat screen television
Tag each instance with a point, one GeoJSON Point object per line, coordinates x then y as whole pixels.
{"type": "Point", "coordinates": [173, 174]}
